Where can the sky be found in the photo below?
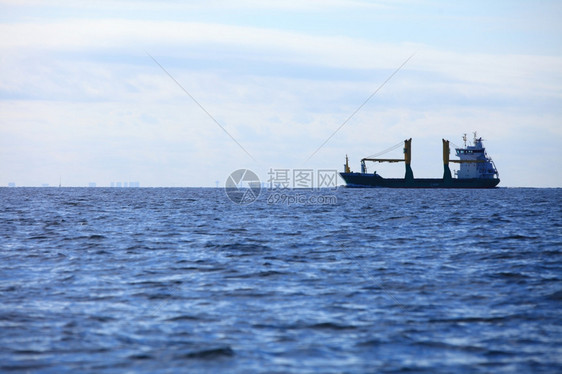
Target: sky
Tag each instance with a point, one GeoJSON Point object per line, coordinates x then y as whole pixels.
{"type": "Point", "coordinates": [82, 100]}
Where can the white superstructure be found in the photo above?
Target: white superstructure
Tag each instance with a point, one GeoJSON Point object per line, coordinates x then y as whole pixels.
{"type": "Point", "coordinates": [475, 163]}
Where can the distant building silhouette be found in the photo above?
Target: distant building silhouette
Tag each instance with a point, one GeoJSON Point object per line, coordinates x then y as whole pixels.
{"type": "Point", "coordinates": [125, 184]}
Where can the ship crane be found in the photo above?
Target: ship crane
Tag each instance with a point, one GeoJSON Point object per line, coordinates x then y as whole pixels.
{"type": "Point", "coordinates": [407, 158]}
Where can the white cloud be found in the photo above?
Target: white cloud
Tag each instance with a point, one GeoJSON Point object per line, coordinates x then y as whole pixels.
{"type": "Point", "coordinates": [134, 36]}
{"type": "Point", "coordinates": [186, 40]}
{"type": "Point", "coordinates": [82, 99]}
{"type": "Point", "coordinates": [293, 5]}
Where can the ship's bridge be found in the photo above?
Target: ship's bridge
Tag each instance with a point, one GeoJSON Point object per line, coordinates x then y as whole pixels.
{"type": "Point", "coordinates": [474, 162]}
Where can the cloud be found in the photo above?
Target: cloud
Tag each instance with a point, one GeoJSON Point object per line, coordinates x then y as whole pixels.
{"type": "Point", "coordinates": [81, 98]}
{"type": "Point", "coordinates": [109, 35]}
{"type": "Point", "coordinates": [127, 39]}
{"type": "Point", "coordinates": [293, 5]}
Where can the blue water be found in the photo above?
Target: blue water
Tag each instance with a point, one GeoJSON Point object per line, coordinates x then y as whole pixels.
{"type": "Point", "coordinates": [171, 280]}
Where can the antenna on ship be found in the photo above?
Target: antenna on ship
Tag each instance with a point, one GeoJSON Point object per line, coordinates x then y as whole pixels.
{"type": "Point", "coordinates": [464, 139]}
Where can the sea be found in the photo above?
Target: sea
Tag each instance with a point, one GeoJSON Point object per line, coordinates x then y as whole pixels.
{"type": "Point", "coordinates": [168, 280]}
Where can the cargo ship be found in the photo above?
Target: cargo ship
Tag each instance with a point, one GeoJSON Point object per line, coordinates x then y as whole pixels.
{"type": "Point", "coordinates": [477, 170]}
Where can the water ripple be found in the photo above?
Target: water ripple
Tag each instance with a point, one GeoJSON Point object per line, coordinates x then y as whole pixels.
{"type": "Point", "coordinates": [160, 280]}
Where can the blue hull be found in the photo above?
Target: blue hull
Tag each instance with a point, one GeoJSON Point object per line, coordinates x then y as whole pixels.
{"type": "Point", "coordinates": [363, 180]}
